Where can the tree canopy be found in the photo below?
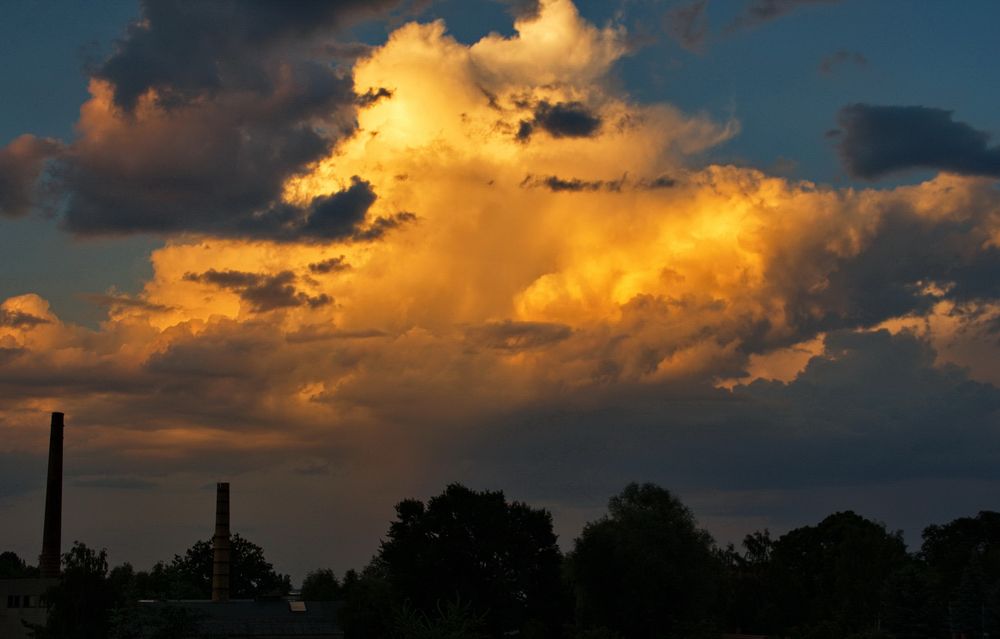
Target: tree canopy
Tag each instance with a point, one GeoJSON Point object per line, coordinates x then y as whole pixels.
{"type": "Point", "coordinates": [476, 549]}
{"type": "Point", "coordinates": [645, 569]}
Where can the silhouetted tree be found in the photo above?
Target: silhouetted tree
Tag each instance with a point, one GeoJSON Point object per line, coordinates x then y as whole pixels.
{"type": "Point", "coordinates": [79, 606]}
{"type": "Point", "coordinates": [497, 557]}
{"type": "Point", "coordinates": [829, 579]}
{"type": "Point", "coordinates": [646, 569]}
{"type": "Point", "coordinates": [13, 567]}
{"type": "Point", "coordinates": [963, 559]}
{"type": "Point", "coordinates": [189, 576]}
{"type": "Point", "coordinates": [749, 602]}
{"type": "Point", "coordinates": [368, 601]}
{"type": "Point", "coordinates": [910, 605]}
{"type": "Point", "coordinates": [320, 585]}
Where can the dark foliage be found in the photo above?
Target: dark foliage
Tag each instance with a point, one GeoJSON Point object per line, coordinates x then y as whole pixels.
{"type": "Point", "coordinates": [646, 569]}
{"type": "Point", "coordinates": [321, 585]}
{"type": "Point", "coordinates": [496, 557]}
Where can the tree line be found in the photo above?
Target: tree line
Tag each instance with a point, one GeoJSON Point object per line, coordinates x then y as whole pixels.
{"type": "Point", "coordinates": [472, 564]}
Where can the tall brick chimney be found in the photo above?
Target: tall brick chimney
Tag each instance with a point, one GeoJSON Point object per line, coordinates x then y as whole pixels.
{"type": "Point", "coordinates": [220, 544]}
{"type": "Point", "coordinates": [49, 560]}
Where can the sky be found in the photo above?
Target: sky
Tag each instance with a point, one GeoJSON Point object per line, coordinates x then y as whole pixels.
{"type": "Point", "coordinates": [341, 254]}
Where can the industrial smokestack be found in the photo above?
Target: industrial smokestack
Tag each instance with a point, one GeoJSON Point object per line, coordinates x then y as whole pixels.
{"type": "Point", "coordinates": [220, 544]}
{"type": "Point", "coordinates": [48, 561]}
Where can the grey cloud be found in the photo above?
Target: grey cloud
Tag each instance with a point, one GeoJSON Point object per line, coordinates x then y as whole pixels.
{"type": "Point", "coordinates": [880, 140]}
{"type": "Point", "coordinates": [264, 292]}
{"type": "Point", "coordinates": [758, 12]}
{"type": "Point", "coordinates": [560, 120]}
{"type": "Point", "coordinates": [522, 9]}
{"type": "Point", "coordinates": [873, 410]}
{"type": "Point", "coordinates": [187, 49]}
{"type": "Point", "coordinates": [332, 265]}
{"type": "Point", "coordinates": [887, 277]}
{"type": "Point", "coordinates": [9, 354]}
{"type": "Point", "coordinates": [382, 225]}
{"type": "Point", "coordinates": [241, 105]}
{"type": "Point", "coordinates": [837, 59]}
{"type": "Point", "coordinates": [686, 24]}
{"type": "Point", "coordinates": [21, 163]}
{"type": "Point", "coordinates": [321, 334]}
{"type": "Point", "coordinates": [517, 336]}
{"type": "Point", "coordinates": [372, 96]}
{"type": "Point", "coordinates": [108, 300]}
{"type": "Point", "coordinates": [20, 319]}
{"type": "Point", "coordinates": [558, 184]}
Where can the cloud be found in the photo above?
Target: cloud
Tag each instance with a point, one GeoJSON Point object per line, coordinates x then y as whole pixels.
{"type": "Point", "coordinates": [332, 265]}
{"type": "Point", "coordinates": [710, 327]}
{"type": "Point", "coordinates": [181, 51]}
{"type": "Point", "coordinates": [880, 140]}
{"type": "Point", "coordinates": [517, 336]}
{"type": "Point", "coordinates": [687, 24]}
{"type": "Point", "coordinates": [21, 163]}
{"type": "Point", "coordinates": [557, 184]}
{"type": "Point", "coordinates": [117, 301]}
{"type": "Point", "coordinates": [197, 121]}
{"type": "Point", "coordinates": [19, 319]}
{"type": "Point", "coordinates": [564, 119]}
{"type": "Point", "coordinates": [758, 12]}
{"type": "Point", "coordinates": [263, 292]}
{"type": "Point", "coordinates": [837, 59]}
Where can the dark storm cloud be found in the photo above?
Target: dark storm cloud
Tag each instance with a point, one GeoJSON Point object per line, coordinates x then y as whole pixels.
{"type": "Point", "coordinates": [686, 24]}
{"type": "Point", "coordinates": [21, 164]}
{"type": "Point", "coordinates": [184, 50]}
{"type": "Point", "coordinates": [332, 265]}
{"type": "Point", "coordinates": [888, 277]}
{"type": "Point", "coordinates": [107, 300]}
{"type": "Point", "coordinates": [9, 354]}
{"type": "Point", "coordinates": [372, 96]}
{"type": "Point", "coordinates": [264, 292]}
{"type": "Point", "coordinates": [557, 184]}
{"type": "Point", "coordinates": [382, 225]}
{"type": "Point", "coordinates": [20, 319]}
{"type": "Point", "coordinates": [560, 120]}
{"type": "Point", "coordinates": [831, 62]}
{"type": "Point", "coordinates": [879, 140]}
{"type": "Point", "coordinates": [214, 106]}
{"type": "Point", "coordinates": [906, 419]}
{"type": "Point", "coordinates": [517, 336]}
{"type": "Point", "coordinates": [758, 12]}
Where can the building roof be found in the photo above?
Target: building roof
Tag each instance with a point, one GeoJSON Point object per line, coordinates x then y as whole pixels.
{"type": "Point", "coordinates": [272, 618]}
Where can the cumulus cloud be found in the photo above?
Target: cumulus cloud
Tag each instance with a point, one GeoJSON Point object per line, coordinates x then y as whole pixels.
{"type": "Point", "coordinates": [879, 140]}
{"type": "Point", "coordinates": [620, 309]}
{"type": "Point", "coordinates": [264, 292]}
{"type": "Point", "coordinates": [196, 122]}
{"type": "Point", "coordinates": [21, 163]}
{"type": "Point", "coordinates": [563, 119]}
